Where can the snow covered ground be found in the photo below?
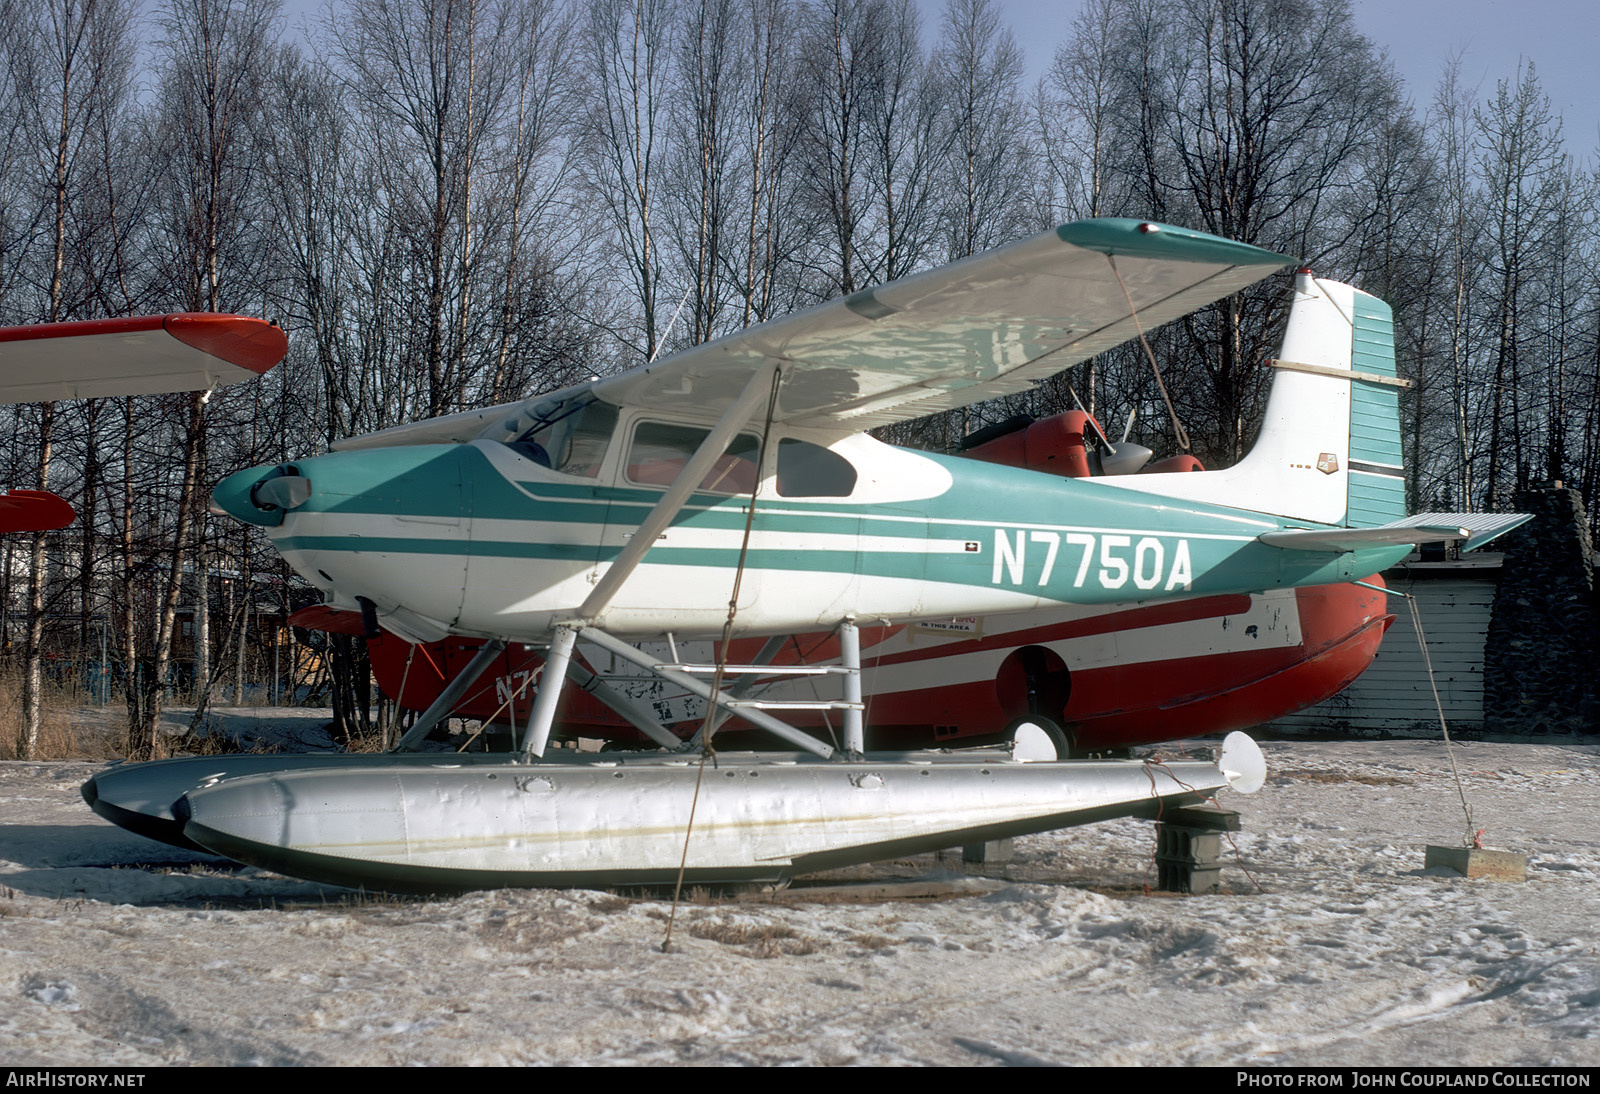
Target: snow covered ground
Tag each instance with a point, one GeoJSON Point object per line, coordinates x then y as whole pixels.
{"type": "Point", "coordinates": [118, 951]}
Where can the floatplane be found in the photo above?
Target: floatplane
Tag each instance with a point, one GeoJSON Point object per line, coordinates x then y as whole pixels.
{"type": "Point", "coordinates": [730, 491]}
{"type": "Point", "coordinates": [1094, 680]}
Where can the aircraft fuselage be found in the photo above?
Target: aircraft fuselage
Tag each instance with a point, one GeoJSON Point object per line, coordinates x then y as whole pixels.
{"type": "Point", "coordinates": [482, 539]}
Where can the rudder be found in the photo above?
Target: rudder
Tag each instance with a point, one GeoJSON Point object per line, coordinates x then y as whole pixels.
{"type": "Point", "coordinates": [1377, 473]}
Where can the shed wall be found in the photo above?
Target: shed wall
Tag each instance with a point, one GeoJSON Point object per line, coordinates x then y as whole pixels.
{"type": "Point", "coordinates": [1393, 694]}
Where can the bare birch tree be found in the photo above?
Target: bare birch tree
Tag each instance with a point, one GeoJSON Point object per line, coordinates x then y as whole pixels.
{"type": "Point", "coordinates": [67, 56]}
{"type": "Point", "coordinates": [980, 77]}
{"type": "Point", "coordinates": [430, 76]}
{"type": "Point", "coordinates": [1520, 158]}
{"type": "Point", "coordinates": [839, 80]}
{"type": "Point", "coordinates": [627, 45]}
{"type": "Point", "coordinates": [768, 220]}
{"type": "Point", "coordinates": [215, 54]}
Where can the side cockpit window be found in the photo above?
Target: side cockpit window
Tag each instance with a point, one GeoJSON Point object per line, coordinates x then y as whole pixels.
{"type": "Point", "coordinates": [659, 451]}
{"type": "Point", "coordinates": [807, 470]}
{"type": "Point", "coordinates": [569, 436]}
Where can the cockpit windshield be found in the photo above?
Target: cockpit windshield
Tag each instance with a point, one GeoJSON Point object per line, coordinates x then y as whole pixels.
{"type": "Point", "coordinates": [567, 434]}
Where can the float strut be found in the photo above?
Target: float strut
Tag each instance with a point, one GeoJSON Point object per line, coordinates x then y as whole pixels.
{"type": "Point", "coordinates": [441, 707]}
{"type": "Point", "coordinates": [684, 680]}
{"type": "Point", "coordinates": [850, 655]}
{"type": "Point", "coordinates": [745, 685]}
{"type": "Point", "coordinates": [550, 683]}
{"type": "Point", "coordinates": [635, 713]}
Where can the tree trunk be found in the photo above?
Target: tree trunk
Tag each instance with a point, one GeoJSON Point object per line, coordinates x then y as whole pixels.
{"type": "Point", "coordinates": [142, 741]}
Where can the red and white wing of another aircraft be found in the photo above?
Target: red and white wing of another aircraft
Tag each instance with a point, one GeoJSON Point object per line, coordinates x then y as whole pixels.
{"type": "Point", "coordinates": [142, 355]}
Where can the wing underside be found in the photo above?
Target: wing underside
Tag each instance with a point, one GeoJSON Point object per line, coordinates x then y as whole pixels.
{"type": "Point", "coordinates": [989, 325]}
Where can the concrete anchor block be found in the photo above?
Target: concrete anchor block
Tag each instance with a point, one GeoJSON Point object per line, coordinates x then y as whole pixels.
{"type": "Point", "coordinates": [1191, 845]}
{"type": "Point", "coordinates": [996, 850]}
{"type": "Point", "coordinates": [1184, 877]}
{"type": "Point", "coordinates": [1478, 862]}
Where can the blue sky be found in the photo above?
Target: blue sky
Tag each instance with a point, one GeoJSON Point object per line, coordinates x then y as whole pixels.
{"type": "Point", "coordinates": [1561, 38]}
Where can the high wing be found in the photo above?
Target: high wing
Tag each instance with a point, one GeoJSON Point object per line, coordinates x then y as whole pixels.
{"type": "Point", "coordinates": [989, 325]}
{"type": "Point", "coordinates": [139, 356]}
{"type": "Point", "coordinates": [34, 511]}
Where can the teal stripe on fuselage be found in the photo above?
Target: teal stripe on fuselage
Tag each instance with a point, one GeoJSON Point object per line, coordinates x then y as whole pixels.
{"type": "Point", "coordinates": [405, 545]}
{"type": "Point", "coordinates": [1071, 541]}
{"type": "Point", "coordinates": [428, 481]}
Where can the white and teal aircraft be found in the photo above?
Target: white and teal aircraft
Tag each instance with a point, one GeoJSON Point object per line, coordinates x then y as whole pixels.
{"type": "Point", "coordinates": [738, 473]}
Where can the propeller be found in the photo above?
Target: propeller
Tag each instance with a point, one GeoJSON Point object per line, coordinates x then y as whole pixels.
{"type": "Point", "coordinates": [1124, 458]}
{"type": "Point", "coordinates": [1114, 457]}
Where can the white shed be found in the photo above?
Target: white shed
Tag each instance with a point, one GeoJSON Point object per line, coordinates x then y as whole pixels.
{"type": "Point", "coordinates": [1455, 599]}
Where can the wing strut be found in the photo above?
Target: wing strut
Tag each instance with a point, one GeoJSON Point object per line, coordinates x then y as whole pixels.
{"type": "Point", "coordinates": [565, 637]}
{"type": "Point", "coordinates": [758, 388]}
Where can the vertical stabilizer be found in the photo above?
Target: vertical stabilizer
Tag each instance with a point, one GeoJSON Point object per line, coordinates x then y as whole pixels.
{"type": "Point", "coordinates": [1329, 446]}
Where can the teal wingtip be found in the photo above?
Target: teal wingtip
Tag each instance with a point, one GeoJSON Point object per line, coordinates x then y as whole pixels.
{"type": "Point", "coordinates": [1149, 239]}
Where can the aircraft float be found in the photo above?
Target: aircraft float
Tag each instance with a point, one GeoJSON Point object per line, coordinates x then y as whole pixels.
{"type": "Point", "coordinates": [141, 355]}
{"type": "Point", "coordinates": [729, 491]}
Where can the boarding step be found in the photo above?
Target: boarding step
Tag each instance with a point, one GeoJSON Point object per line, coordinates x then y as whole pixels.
{"type": "Point", "coordinates": [793, 704]}
{"type": "Point", "coordinates": [759, 670]}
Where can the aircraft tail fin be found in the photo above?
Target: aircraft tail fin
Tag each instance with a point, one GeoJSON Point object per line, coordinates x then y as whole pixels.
{"type": "Point", "coordinates": [1377, 489]}
{"type": "Point", "coordinates": [1329, 447]}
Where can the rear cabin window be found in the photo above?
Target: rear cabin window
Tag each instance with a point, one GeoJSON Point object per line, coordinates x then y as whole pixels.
{"type": "Point", "coordinates": [659, 452]}
{"type": "Point", "coordinates": [807, 470]}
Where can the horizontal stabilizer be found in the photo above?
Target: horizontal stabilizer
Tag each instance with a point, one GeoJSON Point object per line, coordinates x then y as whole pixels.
{"type": "Point", "coordinates": [1471, 530]}
{"type": "Point", "coordinates": [1482, 526]}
